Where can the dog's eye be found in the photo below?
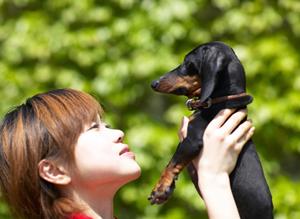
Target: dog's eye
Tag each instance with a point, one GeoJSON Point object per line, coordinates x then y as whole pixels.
{"type": "Point", "coordinates": [191, 69]}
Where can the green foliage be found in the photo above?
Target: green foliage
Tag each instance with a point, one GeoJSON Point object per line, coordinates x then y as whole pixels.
{"type": "Point", "coordinates": [114, 49]}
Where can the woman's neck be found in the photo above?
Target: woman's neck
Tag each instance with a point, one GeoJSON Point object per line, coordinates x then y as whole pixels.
{"type": "Point", "coordinates": [97, 203]}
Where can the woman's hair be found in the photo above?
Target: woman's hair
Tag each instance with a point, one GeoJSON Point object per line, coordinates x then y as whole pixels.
{"type": "Point", "coordinates": [46, 126]}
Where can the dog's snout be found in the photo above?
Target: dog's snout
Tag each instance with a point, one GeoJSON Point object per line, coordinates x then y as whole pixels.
{"type": "Point", "coordinates": [154, 84]}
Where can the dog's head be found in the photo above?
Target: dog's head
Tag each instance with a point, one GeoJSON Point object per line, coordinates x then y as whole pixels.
{"type": "Point", "coordinates": [201, 70]}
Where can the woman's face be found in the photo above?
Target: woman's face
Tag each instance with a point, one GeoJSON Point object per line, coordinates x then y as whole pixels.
{"type": "Point", "coordinates": [102, 158]}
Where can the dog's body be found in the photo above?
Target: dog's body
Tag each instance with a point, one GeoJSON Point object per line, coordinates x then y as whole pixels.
{"type": "Point", "coordinates": [212, 71]}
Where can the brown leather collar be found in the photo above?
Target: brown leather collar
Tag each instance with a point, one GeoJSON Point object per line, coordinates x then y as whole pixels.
{"type": "Point", "coordinates": [194, 103]}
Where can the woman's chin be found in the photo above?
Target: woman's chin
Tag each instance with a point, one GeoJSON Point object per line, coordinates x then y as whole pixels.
{"type": "Point", "coordinates": [132, 175]}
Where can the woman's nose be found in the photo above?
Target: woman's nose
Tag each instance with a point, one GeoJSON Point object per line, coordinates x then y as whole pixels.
{"type": "Point", "coordinates": [119, 136]}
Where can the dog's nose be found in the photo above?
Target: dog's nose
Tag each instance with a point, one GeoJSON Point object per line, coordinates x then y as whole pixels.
{"type": "Point", "coordinates": [154, 84]}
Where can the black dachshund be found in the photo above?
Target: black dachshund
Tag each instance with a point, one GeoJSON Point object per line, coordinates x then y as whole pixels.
{"type": "Point", "coordinates": [213, 77]}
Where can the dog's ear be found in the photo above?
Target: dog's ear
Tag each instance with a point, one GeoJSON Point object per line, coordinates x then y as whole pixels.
{"type": "Point", "coordinates": [213, 62]}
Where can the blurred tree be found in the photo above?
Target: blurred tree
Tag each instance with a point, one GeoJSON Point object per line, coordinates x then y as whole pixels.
{"type": "Point", "coordinates": [113, 49]}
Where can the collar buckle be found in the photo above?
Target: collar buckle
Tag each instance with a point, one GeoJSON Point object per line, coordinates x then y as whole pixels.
{"type": "Point", "coordinates": [189, 104]}
{"type": "Point", "coordinates": [208, 103]}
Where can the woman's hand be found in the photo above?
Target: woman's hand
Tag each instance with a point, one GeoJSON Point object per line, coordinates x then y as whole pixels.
{"type": "Point", "coordinates": [223, 140]}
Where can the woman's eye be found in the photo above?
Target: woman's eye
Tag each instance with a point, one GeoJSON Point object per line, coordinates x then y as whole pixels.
{"type": "Point", "coordinates": [95, 126]}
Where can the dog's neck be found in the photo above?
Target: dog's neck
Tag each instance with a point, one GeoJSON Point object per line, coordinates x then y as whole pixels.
{"type": "Point", "coordinates": [229, 101]}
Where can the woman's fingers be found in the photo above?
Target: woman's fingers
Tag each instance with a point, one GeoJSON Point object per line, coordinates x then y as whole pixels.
{"type": "Point", "coordinates": [241, 130]}
{"type": "Point", "coordinates": [233, 121]}
{"type": "Point", "coordinates": [183, 128]}
{"type": "Point", "coordinates": [242, 141]}
{"type": "Point", "coordinates": [219, 119]}
{"type": "Point", "coordinates": [240, 136]}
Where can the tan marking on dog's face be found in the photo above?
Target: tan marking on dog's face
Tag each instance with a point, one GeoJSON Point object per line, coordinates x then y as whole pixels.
{"type": "Point", "coordinates": [188, 85]}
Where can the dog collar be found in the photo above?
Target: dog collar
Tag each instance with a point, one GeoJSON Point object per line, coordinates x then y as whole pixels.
{"type": "Point", "coordinates": [195, 103]}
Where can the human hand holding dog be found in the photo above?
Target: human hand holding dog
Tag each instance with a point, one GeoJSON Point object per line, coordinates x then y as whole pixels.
{"type": "Point", "coordinates": [223, 140]}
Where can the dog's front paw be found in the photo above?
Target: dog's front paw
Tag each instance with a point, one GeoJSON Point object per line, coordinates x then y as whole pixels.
{"type": "Point", "coordinates": [161, 193]}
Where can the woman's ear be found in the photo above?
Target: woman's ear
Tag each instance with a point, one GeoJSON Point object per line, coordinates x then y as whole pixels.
{"type": "Point", "coordinates": [53, 173]}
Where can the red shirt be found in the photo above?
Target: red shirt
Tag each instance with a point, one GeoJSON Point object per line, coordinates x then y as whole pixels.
{"type": "Point", "coordinates": [80, 216]}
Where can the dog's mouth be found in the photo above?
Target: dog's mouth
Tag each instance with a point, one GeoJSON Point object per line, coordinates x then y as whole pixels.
{"type": "Point", "coordinates": [188, 93]}
{"type": "Point", "coordinates": [184, 91]}
{"type": "Point", "coordinates": [188, 86]}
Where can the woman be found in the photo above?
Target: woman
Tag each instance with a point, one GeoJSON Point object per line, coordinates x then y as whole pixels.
{"type": "Point", "coordinates": [58, 158]}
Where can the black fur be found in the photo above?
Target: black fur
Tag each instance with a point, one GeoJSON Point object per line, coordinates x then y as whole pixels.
{"type": "Point", "coordinates": [221, 74]}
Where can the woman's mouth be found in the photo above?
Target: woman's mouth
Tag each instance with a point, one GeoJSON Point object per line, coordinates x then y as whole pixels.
{"type": "Point", "coordinates": [125, 152]}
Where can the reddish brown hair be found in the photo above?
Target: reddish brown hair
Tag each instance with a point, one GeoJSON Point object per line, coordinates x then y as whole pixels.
{"type": "Point", "coordinates": [46, 126]}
